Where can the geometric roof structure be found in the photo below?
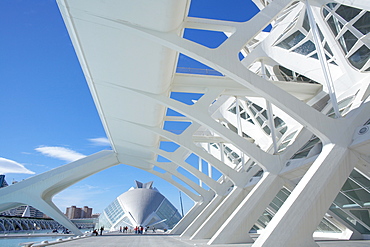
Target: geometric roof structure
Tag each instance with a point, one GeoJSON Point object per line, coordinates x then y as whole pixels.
{"type": "Point", "coordinates": [140, 206]}
{"type": "Point", "coordinates": [280, 118]}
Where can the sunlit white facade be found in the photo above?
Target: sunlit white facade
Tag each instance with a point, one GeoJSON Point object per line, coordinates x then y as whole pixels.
{"type": "Point", "coordinates": [272, 138]}
{"type": "Point", "coordinates": [142, 206]}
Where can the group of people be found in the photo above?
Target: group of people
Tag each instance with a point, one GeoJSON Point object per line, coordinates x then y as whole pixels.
{"type": "Point", "coordinates": [139, 229]}
{"type": "Point", "coordinates": [96, 231]}
{"type": "Point", "coordinates": [123, 229]}
{"type": "Point", "coordinates": [126, 229]}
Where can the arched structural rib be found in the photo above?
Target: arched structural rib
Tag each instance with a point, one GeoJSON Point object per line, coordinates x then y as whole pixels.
{"type": "Point", "coordinates": [262, 116]}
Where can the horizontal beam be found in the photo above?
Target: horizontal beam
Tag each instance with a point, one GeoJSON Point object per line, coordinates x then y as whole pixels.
{"type": "Point", "coordinates": [200, 83]}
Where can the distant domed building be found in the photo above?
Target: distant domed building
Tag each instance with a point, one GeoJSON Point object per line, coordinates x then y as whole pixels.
{"type": "Point", "coordinates": [140, 206]}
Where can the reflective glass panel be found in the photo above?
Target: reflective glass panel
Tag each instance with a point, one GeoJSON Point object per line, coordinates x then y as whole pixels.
{"type": "Point", "coordinates": [325, 12]}
{"type": "Point", "coordinates": [264, 113]}
{"type": "Point", "coordinates": [362, 215]}
{"type": "Point", "coordinates": [315, 56]}
{"type": "Point", "coordinates": [361, 196]}
{"type": "Point", "coordinates": [260, 120]}
{"type": "Point", "coordinates": [267, 130]}
{"type": "Point", "coordinates": [350, 185]}
{"type": "Point", "coordinates": [347, 13]}
{"type": "Point", "coordinates": [331, 5]}
{"type": "Point", "coordinates": [347, 218]}
{"type": "Point", "coordinates": [278, 122]}
{"type": "Point", "coordinates": [360, 57]}
{"type": "Point", "coordinates": [291, 41]}
{"type": "Point", "coordinates": [334, 25]}
{"type": "Point", "coordinates": [363, 24]}
{"type": "Point", "coordinates": [359, 178]}
{"type": "Point", "coordinates": [306, 48]}
{"type": "Point", "coordinates": [327, 48]}
{"type": "Point", "coordinates": [348, 41]}
{"type": "Point", "coordinates": [257, 107]}
{"type": "Point", "coordinates": [342, 200]}
{"type": "Point", "coordinates": [306, 23]}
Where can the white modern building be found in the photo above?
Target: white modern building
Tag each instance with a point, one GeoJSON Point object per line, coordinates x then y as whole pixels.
{"type": "Point", "coordinates": [281, 119]}
{"type": "Point", "coordinates": [142, 205]}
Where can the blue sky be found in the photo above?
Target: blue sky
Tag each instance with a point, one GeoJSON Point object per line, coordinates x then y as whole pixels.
{"type": "Point", "coordinates": [48, 117]}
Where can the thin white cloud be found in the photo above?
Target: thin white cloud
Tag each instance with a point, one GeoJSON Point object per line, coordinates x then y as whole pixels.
{"type": "Point", "coordinates": [60, 153]}
{"type": "Point", "coordinates": [101, 141]}
{"type": "Point", "coordinates": [83, 195]}
{"type": "Point", "coordinates": [10, 166]}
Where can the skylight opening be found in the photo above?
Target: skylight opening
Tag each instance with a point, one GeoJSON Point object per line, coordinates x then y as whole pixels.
{"type": "Point", "coordinates": [160, 170]}
{"type": "Point", "coordinates": [168, 146]}
{"type": "Point", "coordinates": [182, 183]}
{"type": "Point", "coordinates": [207, 38]}
{"type": "Point", "coordinates": [176, 127]}
{"type": "Point", "coordinates": [160, 158]}
{"type": "Point", "coordinates": [223, 10]}
{"type": "Point", "coordinates": [187, 174]}
{"type": "Point", "coordinates": [187, 65]}
{"type": "Point", "coordinates": [192, 160]}
{"type": "Point", "coordinates": [186, 98]}
{"type": "Point", "coordinates": [173, 113]}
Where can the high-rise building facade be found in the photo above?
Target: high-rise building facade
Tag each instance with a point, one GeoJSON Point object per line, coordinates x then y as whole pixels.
{"type": "Point", "coordinates": [74, 212]}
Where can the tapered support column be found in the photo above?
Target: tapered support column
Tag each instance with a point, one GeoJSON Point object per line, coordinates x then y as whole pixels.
{"type": "Point", "coordinates": [188, 218]}
{"type": "Point", "coordinates": [49, 208]}
{"type": "Point", "coordinates": [220, 214]}
{"type": "Point", "coordinates": [237, 226]}
{"type": "Point", "coordinates": [38, 190]}
{"type": "Point", "coordinates": [297, 219]}
{"type": "Point", "coordinates": [198, 221]}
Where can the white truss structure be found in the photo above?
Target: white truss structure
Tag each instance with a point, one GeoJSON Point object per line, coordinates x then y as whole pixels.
{"type": "Point", "coordinates": [284, 123]}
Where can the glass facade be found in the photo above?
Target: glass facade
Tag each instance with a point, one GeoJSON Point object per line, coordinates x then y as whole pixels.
{"type": "Point", "coordinates": [352, 204]}
{"type": "Point", "coordinates": [301, 41]}
{"type": "Point", "coordinates": [114, 211]}
{"type": "Point", "coordinates": [351, 35]}
{"type": "Point", "coordinates": [143, 206]}
{"type": "Point", "coordinates": [325, 225]}
{"type": "Point", "coordinates": [167, 211]}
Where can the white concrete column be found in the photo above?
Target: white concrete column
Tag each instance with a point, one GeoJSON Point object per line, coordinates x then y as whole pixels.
{"type": "Point", "coordinates": [237, 226]}
{"type": "Point", "coordinates": [220, 214]}
{"type": "Point", "coordinates": [200, 168]}
{"type": "Point", "coordinates": [297, 219]}
{"type": "Point", "coordinates": [188, 218]}
{"type": "Point", "coordinates": [198, 221]}
{"type": "Point", "coordinates": [39, 190]}
{"type": "Point", "coordinates": [49, 208]}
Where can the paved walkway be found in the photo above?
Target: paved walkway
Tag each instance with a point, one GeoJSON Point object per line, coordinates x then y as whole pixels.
{"type": "Point", "coordinates": [164, 240]}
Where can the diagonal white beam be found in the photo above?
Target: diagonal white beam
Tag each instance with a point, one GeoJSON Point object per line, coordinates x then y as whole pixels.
{"type": "Point", "coordinates": [198, 114]}
{"type": "Point", "coordinates": [39, 190]}
{"type": "Point", "coordinates": [246, 31]}
{"type": "Point", "coordinates": [321, 184]}
{"type": "Point", "coordinates": [228, 64]}
{"type": "Point", "coordinates": [214, 185]}
{"type": "Point", "coordinates": [188, 144]}
{"type": "Point", "coordinates": [210, 24]}
{"type": "Point", "coordinates": [148, 165]}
